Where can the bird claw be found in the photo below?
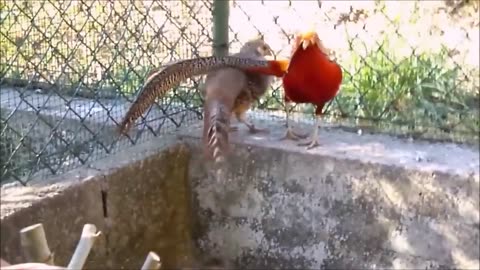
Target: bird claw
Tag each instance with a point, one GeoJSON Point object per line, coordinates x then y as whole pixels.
{"type": "Point", "coordinates": [291, 135]}
{"type": "Point", "coordinates": [310, 144]}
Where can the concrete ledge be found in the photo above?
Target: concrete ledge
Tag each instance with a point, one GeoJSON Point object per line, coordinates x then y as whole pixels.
{"type": "Point", "coordinates": [368, 148]}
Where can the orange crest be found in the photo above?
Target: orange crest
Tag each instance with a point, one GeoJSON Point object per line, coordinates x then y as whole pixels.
{"type": "Point", "coordinates": [309, 38]}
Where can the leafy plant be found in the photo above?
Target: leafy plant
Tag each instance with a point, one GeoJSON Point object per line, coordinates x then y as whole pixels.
{"type": "Point", "coordinates": [418, 89]}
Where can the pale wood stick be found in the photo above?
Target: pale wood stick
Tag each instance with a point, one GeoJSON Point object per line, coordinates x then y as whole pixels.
{"type": "Point", "coordinates": [34, 243]}
{"type": "Point", "coordinates": [87, 239]}
{"type": "Point", "coordinates": [152, 262]}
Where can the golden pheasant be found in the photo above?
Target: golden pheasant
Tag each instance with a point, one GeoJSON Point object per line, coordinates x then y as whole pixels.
{"type": "Point", "coordinates": [311, 78]}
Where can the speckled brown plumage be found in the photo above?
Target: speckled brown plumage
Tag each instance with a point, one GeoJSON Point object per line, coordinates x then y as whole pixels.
{"type": "Point", "coordinates": [228, 91]}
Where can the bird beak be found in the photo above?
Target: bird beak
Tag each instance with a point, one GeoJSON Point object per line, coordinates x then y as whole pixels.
{"type": "Point", "coordinates": [307, 42]}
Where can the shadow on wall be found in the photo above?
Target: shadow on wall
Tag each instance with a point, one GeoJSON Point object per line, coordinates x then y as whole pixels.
{"type": "Point", "coordinates": [291, 210]}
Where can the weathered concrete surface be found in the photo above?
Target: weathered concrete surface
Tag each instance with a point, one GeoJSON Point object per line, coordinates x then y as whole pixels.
{"type": "Point", "coordinates": [144, 207]}
{"type": "Point", "coordinates": [357, 202]}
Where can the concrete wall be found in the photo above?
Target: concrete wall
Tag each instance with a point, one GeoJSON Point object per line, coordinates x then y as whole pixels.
{"type": "Point", "coordinates": [357, 202]}
{"type": "Point", "coordinates": [139, 200]}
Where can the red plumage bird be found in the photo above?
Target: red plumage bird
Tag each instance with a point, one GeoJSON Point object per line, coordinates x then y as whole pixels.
{"type": "Point", "coordinates": [311, 78]}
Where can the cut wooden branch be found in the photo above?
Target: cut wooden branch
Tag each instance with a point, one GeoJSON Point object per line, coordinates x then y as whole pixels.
{"type": "Point", "coordinates": [87, 239]}
{"type": "Point", "coordinates": [152, 262]}
{"type": "Point", "coordinates": [34, 244]}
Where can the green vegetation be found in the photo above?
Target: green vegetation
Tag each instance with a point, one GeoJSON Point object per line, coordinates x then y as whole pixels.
{"type": "Point", "coordinates": [419, 91]}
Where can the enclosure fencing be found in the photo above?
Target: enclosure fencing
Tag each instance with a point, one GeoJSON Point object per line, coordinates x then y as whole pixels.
{"type": "Point", "coordinates": [69, 69]}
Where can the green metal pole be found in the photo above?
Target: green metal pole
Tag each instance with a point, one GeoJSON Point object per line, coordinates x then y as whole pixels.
{"type": "Point", "coordinates": [220, 15]}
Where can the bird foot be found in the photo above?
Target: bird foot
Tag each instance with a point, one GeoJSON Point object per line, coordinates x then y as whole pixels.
{"type": "Point", "coordinates": [291, 135]}
{"type": "Point", "coordinates": [313, 143]}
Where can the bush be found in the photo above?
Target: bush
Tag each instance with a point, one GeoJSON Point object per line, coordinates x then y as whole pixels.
{"type": "Point", "coordinates": [419, 90]}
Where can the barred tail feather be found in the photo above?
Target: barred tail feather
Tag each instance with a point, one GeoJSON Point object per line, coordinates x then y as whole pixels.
{"type": "Point", "coordinates": [161, 81]}
{"type": "Point", "coordinates": [217, 130]}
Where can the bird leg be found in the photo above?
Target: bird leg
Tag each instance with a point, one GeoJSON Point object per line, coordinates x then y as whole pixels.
{"type": "Point", "coordinates": [313, 141]}
{"type": "Point", "coordinates": [251, 127]}
{"type": "Point", "coordinates": [290, 134]}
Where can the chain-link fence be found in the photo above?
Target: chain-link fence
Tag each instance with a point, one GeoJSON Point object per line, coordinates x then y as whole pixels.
{"type": "Point", "coordinates": [70, 68]}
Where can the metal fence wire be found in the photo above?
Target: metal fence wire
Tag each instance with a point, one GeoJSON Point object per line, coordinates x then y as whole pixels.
{"type": "Point", "coordinates": [69, 69]}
